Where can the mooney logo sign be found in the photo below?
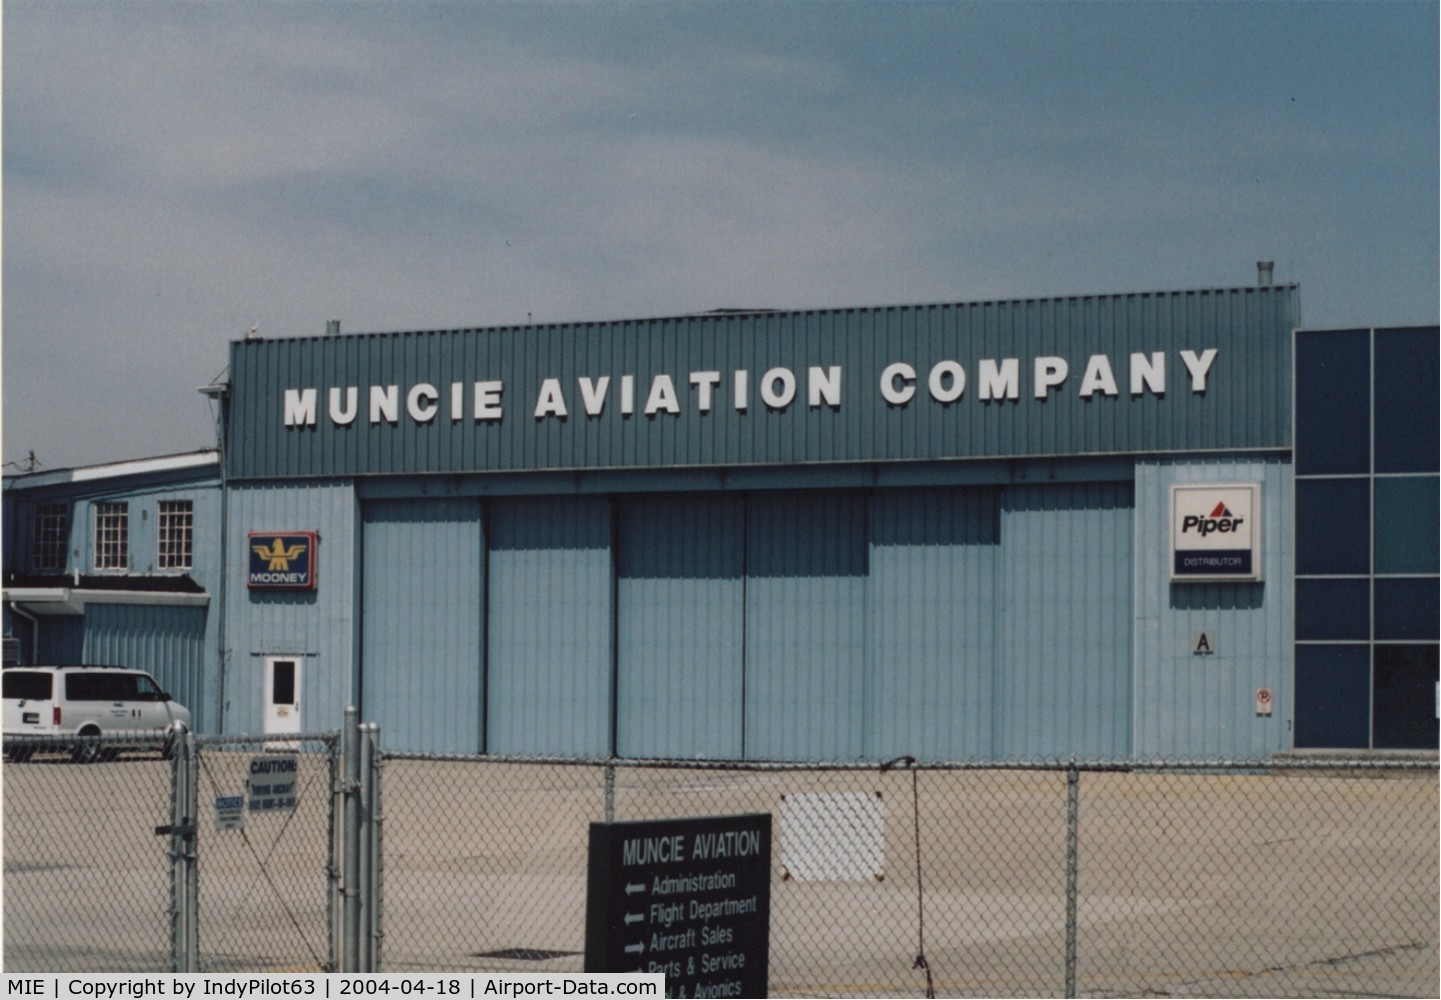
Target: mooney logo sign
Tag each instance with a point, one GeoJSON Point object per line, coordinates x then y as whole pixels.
{"type": "Point", "coordinates": [284, 560]}
{"type": "Point", "coordinates": [1214, 532]}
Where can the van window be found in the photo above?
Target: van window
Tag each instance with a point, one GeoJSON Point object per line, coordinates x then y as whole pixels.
{"type": "Point", "coordinates": [32, 685]}
{"type": "Point", "coordinates": [100, 686]}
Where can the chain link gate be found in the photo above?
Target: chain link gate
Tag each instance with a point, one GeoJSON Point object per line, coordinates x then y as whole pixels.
{"type": "Point", "coordinates": [138, 863]}
{"type": "Point", "coordinates": [265, 843]}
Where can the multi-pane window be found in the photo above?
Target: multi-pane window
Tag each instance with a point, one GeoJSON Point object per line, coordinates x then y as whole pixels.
{"type": "Point", "coordinates": [1368, 502]}
{"type": "Point", "coordinates": [50, 538]}
{"type": "Point", "coordinates": [177, 534]}
{"type": "Point", "coordinates": [112, 536]}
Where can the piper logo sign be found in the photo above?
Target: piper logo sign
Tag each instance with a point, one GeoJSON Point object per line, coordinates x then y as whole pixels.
{"type": "Point", "coordinates": [1215, 532]}
{"type": "Point", "coordinates": [1221, 519]}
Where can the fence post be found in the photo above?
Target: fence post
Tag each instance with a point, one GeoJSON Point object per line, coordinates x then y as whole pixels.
{"type": "Point", "coordinates": [184, 885]}
{"type": "Point", "coordinates": [335, 882]}
{"type": "Point", "coordinates": [350, 880]}
{"type": "Point", "coordinates": [1073, 809]}
{"type": "Point", "coordinates": [370, 850]}
{"type": "Point", "coordinates": [610, 791]}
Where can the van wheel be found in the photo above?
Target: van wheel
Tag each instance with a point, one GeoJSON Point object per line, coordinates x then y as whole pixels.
{"type": "Point", "coordinates": [89, 750]}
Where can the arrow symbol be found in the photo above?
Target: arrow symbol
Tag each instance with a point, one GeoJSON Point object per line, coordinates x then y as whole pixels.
{"type": "Point", "coordinates": [631, 888]}
{"type": "Point", "coordinates": [633, 918]}
{"type": "Point", "coordinates": [636, 949]}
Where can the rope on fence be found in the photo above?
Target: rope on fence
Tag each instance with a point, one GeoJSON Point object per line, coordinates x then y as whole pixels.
{"type": "Point", "coordinates": [920, 962]}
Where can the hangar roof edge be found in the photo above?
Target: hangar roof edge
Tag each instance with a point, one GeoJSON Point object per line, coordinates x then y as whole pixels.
{"type": "Point", "coordinates": [113, 470]}
{"type": "Point", "coordinates": [724, 314]}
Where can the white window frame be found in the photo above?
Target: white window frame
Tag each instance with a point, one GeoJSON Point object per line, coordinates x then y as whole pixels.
{"type": "Point", "coordinates": [49, 537]}
{"type": "Point", "coordinates": [110, 549]}
{"type": "Point", "coordinates": [175, 535]}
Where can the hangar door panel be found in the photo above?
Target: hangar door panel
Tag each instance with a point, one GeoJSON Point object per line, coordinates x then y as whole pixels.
{"type": "Point", "coordinates": [422, 623]}
{"type": "Point", "coordinates": [805, 693]}
{"type": "Point", "coordinates": [550, 627]}
{"type": "Point", "coordinates": [681, 619]}
{"type": "Point", "coordinates": [931, 622]}
{"type": "Point", "coordinates": [1064, 686]}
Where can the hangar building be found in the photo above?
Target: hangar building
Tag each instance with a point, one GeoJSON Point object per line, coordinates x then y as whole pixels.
{"type": "Point", "coordinates": [1115, 526]}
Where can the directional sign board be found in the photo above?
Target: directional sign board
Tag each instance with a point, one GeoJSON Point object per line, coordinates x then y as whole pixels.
{"type": "Point", "coordinates": [689, 898]}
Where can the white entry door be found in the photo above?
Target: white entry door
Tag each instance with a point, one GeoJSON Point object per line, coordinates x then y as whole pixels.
{"type": "Point", "coordinates": [282, 694]}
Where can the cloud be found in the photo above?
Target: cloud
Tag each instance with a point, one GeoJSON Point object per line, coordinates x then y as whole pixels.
{"type": "Point", "coordinates": [178, 172]}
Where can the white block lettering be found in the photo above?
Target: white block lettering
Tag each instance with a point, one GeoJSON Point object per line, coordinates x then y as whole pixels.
{"type": "Point", "coordinates": [778, 388]}
{"type": "Point", "coordinates": [550, 402]}
{"type": "Point", "coordinates": [1148, 374]}
{"type": "Point", "coordinates": [1050, 373]}
{"type": "Point", "coordinates": [1098, 377]}
{"type": "Point", "coordinates": [947, 381]}
{"type": "Point", "coordinates": [898, 383]}
{"type": "Point", "coordinates": [344, 414]}
{"type": "Point", "coordinates": [384, 403]}
{"type": "Point", "coordinates": [420, 403]}
{"type": "Point", "coordinates": [1001, 381]}
{"type": "Point", "coordinates": [1199, 367]}
{"type": "Point", "coordinates": [299, 407]}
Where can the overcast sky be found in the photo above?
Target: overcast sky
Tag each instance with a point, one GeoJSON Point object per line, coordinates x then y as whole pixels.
{"type": "Point", "coordinates": [176, 173]}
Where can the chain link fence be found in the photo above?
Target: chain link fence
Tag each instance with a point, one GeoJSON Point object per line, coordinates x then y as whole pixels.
{"type": "Point", "coordinates": [87, 881]}
{"type": "Point", "coordinates": [1289, 878]}
{"type": "Point", "coordinates": [1292, 879]}
{"type": "Point", "coordinates": [91, 842]}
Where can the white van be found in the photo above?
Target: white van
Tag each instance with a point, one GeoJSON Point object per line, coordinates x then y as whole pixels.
{"type": "Point", "coordinates": [89, 701]}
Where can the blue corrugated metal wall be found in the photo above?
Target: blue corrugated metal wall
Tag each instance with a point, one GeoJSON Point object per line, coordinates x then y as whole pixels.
{"type": "Point", "coordinates": [549, 683]}
{"type": "Point", "coordinates": [176, 643]}
{"type": "Point", "coordinates": [947, 623]}
{"type": "Point", "coordinates": [681, 626]}
{"type": "Point", "coordinates": [1064, 685]}
{"type": "Point", "coordinates": [932, 609]}
{"type": "Point", "coordinates": [1204, 706]}
{"type": "Point", "coordinates": [805, 630]}
{"type": "Point", "coordinates": [423, 626]}
{"type": "Point", "coordinates": [960, 622]}
{"type": "Point", "coordinates": [317, 627]}
{"type": "Point", "coordinates": [168, 642]}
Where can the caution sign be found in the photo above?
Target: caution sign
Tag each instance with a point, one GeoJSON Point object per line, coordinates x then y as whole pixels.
{"type": "Point", "coordinates": [687, 898]}
{"type": "Point", "coordinates": [270, 785]}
